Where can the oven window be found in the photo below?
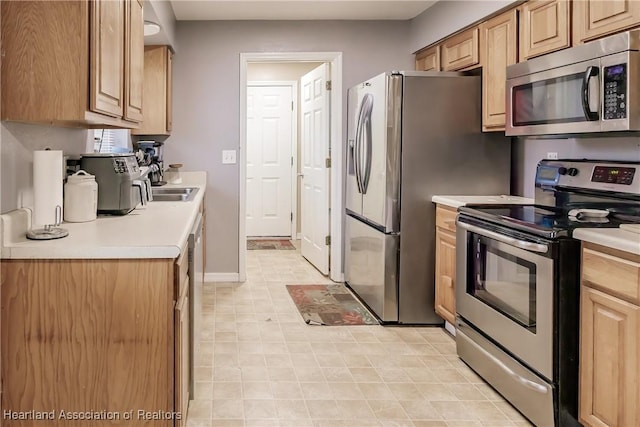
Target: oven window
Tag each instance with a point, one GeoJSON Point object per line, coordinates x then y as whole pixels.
{"type": "Point", "coordinates": [557, 100]}
{"type": "Point", "coordinates": [504, 282]}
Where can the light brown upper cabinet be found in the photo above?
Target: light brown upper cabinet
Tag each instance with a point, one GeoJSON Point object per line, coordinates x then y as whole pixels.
{"type": "Point", "coordinates": [428, 59]}
{"type": "Point", "coordinates": [461, 51]}
{"type": "Point", "coordinates": [498, 41]}
{"type": "Point", "coordinates": [157, 95]}
{"type": "Point", "coordinates": [65, 62]}
{"type": "Point", "coordinates": [596, 18]}
{"type": "Point", "coordinates": [134, 61]}
{"type": "Point", "coordinates": [544, 27]}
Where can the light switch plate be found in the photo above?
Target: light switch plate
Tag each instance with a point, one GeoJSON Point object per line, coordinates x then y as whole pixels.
{"type": "Point", "coordinates": [228, 157]}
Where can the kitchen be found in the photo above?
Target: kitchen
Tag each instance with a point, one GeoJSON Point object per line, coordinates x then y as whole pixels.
{"type": "Point", "coordinates": [206, 105]}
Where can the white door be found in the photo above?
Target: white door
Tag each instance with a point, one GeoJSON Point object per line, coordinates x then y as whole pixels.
{"type": "Point", "coordinates": [269, 164]}
{"type": "Point", "coordinates": [315, 173]}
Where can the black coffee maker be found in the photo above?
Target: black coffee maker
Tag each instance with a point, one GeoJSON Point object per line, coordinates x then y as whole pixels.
{"type": "Point", "coordinates": [150, 154]}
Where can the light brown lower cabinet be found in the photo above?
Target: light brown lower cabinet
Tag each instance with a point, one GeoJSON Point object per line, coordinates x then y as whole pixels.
{"type": "Point", "coordinates": [609, 342]}
{"type": "Point", "coordinates": [445, 296]}
{"type": "Point", "coordinates": [91, 338]}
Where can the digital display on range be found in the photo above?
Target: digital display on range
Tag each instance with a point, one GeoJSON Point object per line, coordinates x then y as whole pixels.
{"type": "Point", "coordinates": [613, 175]}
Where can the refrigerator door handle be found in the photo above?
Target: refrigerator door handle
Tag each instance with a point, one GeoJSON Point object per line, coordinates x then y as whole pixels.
{"type": "Point", "coordinates": [355, 152]}
{"type": "Point", "coordinates": [368, 108]}
{"type": "Point", "coordinates": [364, 148]}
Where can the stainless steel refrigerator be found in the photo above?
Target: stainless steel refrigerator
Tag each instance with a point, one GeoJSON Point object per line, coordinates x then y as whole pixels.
{"type": "Point", "coordinates": [411, 135]}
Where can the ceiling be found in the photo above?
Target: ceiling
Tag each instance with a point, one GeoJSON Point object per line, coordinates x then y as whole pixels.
{"type": "Point", "coordinates": [189, 10]}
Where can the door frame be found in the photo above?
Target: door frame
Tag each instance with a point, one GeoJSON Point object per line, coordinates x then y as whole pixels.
{"type": "Point", "coordinates": [335, 153]}
{"type": "Point", "coordinates": [293, 84]}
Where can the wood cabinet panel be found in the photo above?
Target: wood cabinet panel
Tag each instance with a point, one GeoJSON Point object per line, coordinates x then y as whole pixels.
{"type": "Point", "coordinates": [544, 27]}
{"type": "Point", "coordinates": [609, 360]}
{"type": "Point", "coordinates": [461, 51]}
{"type": "Point", "coordinates": [498, 41]}
{"type": "Point", "coordinates": [429, 59]}
{"type": "Point", "coordinates": [157, 92]}
{"type": "Point", "coordinates": [596, 18]}
{"type": "Point", "coordinates": [182, 355]}
{"type": "Point", "coordinates": [87, 335]}
{"type": "Point", "coordinates": [445, 297]}
{"type": "Point", "coordinates": [134, 61]}
{"type": "Point", "coordinates": [107, 57]}
{"type": "Point", "coordinates": [599, 267]}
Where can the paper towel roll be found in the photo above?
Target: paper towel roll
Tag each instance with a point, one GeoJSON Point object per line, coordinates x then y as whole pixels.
{"type": "Point", "coordinates": [47, 186]}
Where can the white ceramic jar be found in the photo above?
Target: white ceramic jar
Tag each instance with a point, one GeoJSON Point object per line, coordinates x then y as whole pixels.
{"type": "Point", "coordinates": [80, 197]}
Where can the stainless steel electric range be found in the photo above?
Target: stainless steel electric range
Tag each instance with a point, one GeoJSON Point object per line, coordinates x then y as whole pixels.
{"type": "Point", "coordinates": [518, 292]}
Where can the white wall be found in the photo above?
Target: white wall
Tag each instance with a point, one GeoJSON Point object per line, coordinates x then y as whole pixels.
{"type": "Point", "coordinates": [447, 17]}
{"type": "Point", "coordinates": [17, 143]}
{"type": "Point", "coordinates": [206, 97]}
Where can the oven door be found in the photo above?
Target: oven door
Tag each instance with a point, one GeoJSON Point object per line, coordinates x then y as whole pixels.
{"type": "Point", "coordinates": [505, 289]}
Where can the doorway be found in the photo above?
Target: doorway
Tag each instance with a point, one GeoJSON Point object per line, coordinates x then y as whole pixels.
{"type": "Point", "coordinates": [253, 72]}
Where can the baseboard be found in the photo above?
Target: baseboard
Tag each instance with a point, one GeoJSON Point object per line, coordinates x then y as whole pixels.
{"type": "Point", "coordinates": [221, 277]}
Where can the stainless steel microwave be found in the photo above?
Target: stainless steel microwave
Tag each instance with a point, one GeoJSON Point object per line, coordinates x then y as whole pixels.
{"type": "Point", "coordinates": [590, 88]}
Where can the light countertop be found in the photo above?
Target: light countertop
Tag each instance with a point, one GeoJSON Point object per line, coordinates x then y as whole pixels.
{"type": "Point", "coordinates": [157, 230]}
{"type": "Point", "coordinates": [615, 238]}
{"type": "Point", "coordinates": [457, 201]}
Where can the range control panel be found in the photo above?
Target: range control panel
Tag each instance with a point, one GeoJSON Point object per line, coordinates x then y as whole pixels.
{"type": "Point", "coordinates": [615, 92]}
{"type": "Point", "coordinates": [613, 175]}
{"type": "Point", "coordinates": [621, 177]}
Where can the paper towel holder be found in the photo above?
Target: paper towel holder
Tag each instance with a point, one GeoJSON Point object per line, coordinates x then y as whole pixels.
{"type": "Point", "coordinates": [50, 231]}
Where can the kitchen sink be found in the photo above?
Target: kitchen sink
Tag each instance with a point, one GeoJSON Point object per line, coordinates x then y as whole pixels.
{"type": "Point", "coordinates": [174, 194]}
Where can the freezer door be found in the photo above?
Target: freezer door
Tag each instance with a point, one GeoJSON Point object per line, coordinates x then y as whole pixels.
{"type": "Point", "coordinates": [371, 267]}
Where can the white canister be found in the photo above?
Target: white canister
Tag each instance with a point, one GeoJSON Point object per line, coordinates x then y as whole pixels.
{"type": "Point", "coordinates": [80, 197]}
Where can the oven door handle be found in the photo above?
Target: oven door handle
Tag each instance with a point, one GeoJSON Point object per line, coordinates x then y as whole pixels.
{"type": "Point", "coordinates": [527, 246]}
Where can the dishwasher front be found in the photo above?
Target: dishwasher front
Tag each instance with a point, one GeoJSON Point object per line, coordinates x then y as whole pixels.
{"type": "Point", "coordinates": [196, 278]}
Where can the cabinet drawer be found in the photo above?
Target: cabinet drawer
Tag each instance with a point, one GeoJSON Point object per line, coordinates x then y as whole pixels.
{"type": "Point", "coordinates": [613, 271]}
{"type": "Point", "coordinates": [446, 218]}
{"type": "Point", "coordinates": [461, 51]}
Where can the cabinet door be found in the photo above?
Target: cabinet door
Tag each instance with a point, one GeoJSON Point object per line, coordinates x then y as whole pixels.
{"type": "Point", "coordinates": [429, 60]}
{"type": "Point", "coordinates": [499, 49]}
{"type": "Point", "coordinates": [157, 101]}
{"type": "Point", "coordinates": [460, 51]}
{"type": "Point", "coordinates": [134, 61]}
{"type": "Point", "coordinates": [446, 275]}
{"type": "Point", "coordinates": [596, 18]}
{"type": "Point", "coordinates": [544, 27]}
{"type": "Point", "coordinates": [107, 57]}
{"type": "Point", "coordinates": [182, 350]}
{"type": "Point", "coordinates": [609, 360]}
{"type": "Point", "coordinates": [169, 101]}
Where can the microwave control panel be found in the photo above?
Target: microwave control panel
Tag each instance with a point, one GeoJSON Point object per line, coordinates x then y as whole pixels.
{"type": "Point", "coordinates": [615, 92]}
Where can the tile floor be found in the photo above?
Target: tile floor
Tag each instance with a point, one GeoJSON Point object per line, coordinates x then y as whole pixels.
{"type": "Point", "coordinates": [261, 365]}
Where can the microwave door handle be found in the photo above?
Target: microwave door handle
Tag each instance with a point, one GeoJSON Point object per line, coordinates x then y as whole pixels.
{"type": "Point", "coordinates": [590, 73]}
{"type": "Point", "coordinates": [521, 244]}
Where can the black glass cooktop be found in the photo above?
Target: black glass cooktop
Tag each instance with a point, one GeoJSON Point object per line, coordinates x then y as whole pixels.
{"type": "Point", "coordinates": [545, 221]}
